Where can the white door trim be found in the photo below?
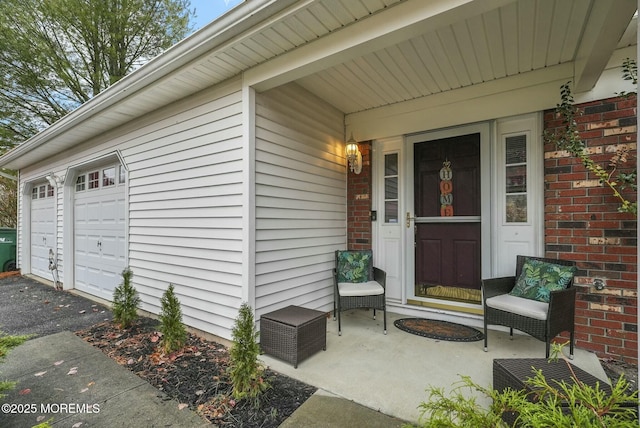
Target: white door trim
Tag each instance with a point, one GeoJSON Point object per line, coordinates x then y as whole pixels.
{"type": "Point", "coordinates": [388, 238]}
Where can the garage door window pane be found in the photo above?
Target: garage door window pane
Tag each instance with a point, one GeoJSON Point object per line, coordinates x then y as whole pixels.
{"type": "Point", "coordinates": [122, 175]}
{"type": "Point", "coordinates": [50, 191]}
{"type": "Point", "coordinates": [42, 192]}
{"type": "Point", "coordinates": [94, 180]}
{"type": "Point", "coordinates": [109, 177]}
{"type": "Point", "coordinates": [81, 183]}
{"type": "Point", "coordinates": [34, 193]}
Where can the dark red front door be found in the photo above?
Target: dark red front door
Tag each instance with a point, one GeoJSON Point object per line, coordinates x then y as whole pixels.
{"type": "Point", "coordinates": [447, 211]}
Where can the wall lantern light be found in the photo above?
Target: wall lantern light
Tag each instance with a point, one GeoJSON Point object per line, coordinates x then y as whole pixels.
{"type": "Point", "coordinates": [353, 155]}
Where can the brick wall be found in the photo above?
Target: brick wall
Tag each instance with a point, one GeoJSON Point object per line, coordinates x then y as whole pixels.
{"type": "Point", "coordinates": [582, 223]}
{"type": "Point", "coordinates": [359, 203]}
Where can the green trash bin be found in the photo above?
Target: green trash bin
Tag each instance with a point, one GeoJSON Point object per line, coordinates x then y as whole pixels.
{"type": "Point", "coordinates": [7, 249]}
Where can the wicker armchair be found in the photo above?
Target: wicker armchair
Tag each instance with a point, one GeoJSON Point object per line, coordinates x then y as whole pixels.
{"type": "Point", "coordinates": [358, 284]}
{"type": "Point", "coordinates": [544, 321]}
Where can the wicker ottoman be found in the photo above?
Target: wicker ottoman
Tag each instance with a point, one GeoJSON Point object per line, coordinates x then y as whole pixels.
{"type": "Point", "coordinates": [293, 333]}
{"type": "Point", "coordinates": [514, 372]}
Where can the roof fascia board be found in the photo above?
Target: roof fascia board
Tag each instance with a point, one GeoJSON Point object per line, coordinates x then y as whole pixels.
{"type": "Point", "coordinates": [400, 22]}
{"type": "Point", "coordinates": [219, 32]}
{"type": "Point", "coordinates": [607, 23]}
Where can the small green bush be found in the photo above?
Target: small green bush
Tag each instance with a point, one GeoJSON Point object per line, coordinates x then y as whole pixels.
{"type": "Point", "coordinates": [584, 407]}
{"type": "Point", "coordinates": [8, 342]}
{"type": "Point", "coordinates": [125, 301]}
{"type": "Point", "coordinates": [245, 370]}
{"type": "Point", "coordinates": [174, 333]}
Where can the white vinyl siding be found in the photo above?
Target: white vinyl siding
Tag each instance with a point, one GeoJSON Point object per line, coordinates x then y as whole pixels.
{"type": "Point", "coordinates": [300, 198]}
{"type": "Point", "coordinates": [185, 211]}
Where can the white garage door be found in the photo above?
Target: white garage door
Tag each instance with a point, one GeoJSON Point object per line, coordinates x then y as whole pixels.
{"type": "Point", "coordinates": [99, 213]}
{"type": "Point", "coordinates": [43, 238]}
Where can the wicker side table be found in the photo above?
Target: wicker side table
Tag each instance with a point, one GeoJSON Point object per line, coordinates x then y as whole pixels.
{"type": "Point", "coordinates": [513, 373]}
{"type": "Point", "coordinates": [293, 333]}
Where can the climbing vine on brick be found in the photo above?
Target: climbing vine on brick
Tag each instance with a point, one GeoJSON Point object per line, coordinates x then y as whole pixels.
{"type": "Point", "coordinates": [568, 138]}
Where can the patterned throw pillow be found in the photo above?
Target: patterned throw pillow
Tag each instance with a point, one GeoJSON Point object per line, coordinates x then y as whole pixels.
{"type": "Point", "coordinates": [354, 266]}
{"type": "Point", "coordinates": [538, 279]}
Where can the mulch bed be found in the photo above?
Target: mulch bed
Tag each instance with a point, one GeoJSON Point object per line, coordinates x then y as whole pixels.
{"type": "Point", "coordinates": [197, 375]}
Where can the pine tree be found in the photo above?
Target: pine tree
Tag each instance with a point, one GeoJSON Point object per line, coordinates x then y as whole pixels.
{"type": "Point", "coordinates": [174, 333]}
{"type": "Point", "coordinates": [245, 370]}
{"type": "Point", "coordinates": [125, 301]}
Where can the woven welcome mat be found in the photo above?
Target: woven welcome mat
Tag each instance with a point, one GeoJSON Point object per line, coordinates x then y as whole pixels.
{"type": "Point", "coordinates": [441, 330]}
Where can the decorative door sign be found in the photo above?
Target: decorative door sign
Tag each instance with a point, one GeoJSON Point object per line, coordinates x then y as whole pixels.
{"type": "Point", "coordinates": [446, 190]}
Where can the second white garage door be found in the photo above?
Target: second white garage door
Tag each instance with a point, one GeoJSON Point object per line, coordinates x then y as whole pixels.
{"type": "Point", "coordinates": [99, 213]}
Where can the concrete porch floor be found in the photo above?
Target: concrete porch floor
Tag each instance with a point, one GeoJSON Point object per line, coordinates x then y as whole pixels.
{"type": "Point", "coordinates": [390, 373]}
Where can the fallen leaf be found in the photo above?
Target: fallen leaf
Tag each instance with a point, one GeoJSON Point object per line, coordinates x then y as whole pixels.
{"type": "Point", "coordinates": [73, 371]}
{"type": "Point", "coordinates": [40, 418]}
{"type": "Point", "coordinates": [46, 302]}
{"type": "Point", "coordinates": [25, 391]}
{"type": "Point", "coordinates": [81, 312]}
{"type": "Point", "coordinates": [182, 406]}
{"type": "Point", "coordinates": [39, 374]}
{"type": "Point", "coordinates": [154, 339]}
{"type": "Point", "coordinates": [77, 425]}
{"type": "Point", "coordinates": [57, 363]}
{"type": "Point", "coordinates": [131, 361]}
{"type": "Point", "coordinates": [199, 392]}
{"type": "Point", "coordinates": [84, 390]}
{"type": "Point", "coordinates": [91, 383]}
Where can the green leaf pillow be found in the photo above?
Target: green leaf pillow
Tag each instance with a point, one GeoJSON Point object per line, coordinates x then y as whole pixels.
{"type": "Point", "coordinates": [538, 279]}
{"type": "Point", "coordinates": [354, 266]}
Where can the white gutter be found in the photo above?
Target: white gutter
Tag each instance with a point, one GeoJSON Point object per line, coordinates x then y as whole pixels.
{"type": "Point", "coordinates": [237, 21]}
{"type": "Point", "coordinates": [10, 177]}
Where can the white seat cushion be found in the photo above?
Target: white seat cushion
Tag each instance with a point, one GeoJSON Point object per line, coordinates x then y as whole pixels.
{"type": "Point", "coordinates": [369, 288]}
{"type": "Point", "coordinates": [521, 306]}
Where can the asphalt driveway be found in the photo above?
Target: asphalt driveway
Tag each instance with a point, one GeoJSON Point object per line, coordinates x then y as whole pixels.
{"type": "Point", "coordinates": [29, 307]}
{"type": "Point", "coordinates": [62, 379]}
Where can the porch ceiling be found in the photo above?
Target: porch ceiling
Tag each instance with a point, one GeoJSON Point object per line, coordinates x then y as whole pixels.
{"type": "Point", "coordinates": [357, 55]}
{"type": "Point", "coordinates": [516, 38]}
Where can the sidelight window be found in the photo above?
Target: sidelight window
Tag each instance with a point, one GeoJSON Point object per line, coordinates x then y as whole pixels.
{"type": "Point", "coordinates": [391, 188]}
{"type": "Point", "coordinates": [516, 178]}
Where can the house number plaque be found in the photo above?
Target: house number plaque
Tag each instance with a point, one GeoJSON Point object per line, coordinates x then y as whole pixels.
{"type": "Point", "coordinates": [446, 190]}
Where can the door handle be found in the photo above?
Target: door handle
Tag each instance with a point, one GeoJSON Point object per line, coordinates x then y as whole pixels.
{"type": "Point", "coordinates": [408, 219]}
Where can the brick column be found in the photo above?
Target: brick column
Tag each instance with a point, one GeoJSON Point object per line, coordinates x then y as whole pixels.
{"type": "Point", "coordinates": [359, 203]}
{"type": "Point", "coordinates": [582, 223]}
